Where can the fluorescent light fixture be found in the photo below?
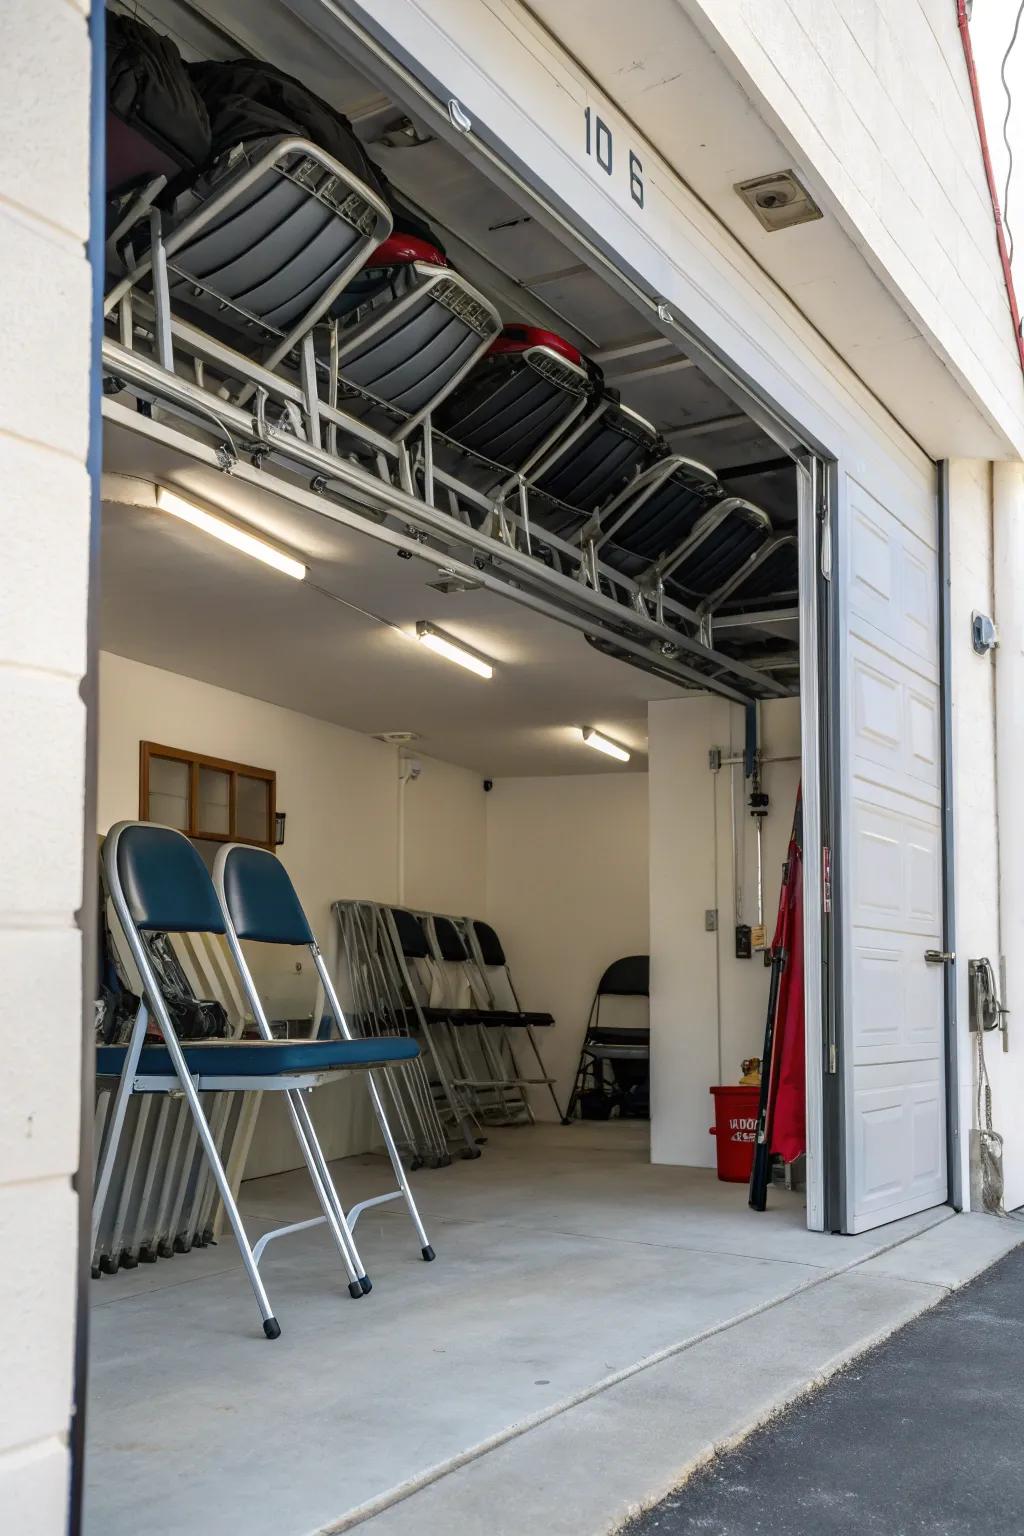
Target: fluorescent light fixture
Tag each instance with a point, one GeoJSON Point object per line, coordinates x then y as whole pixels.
{"type": "Point", "coordinates": [230, 533]}
{"type": "Point", "coordinates": [453, 650]}
{"type": "Point", "coordinates": [603, 744]}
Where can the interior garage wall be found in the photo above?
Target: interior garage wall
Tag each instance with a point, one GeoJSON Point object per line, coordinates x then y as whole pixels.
{"type": "Point", "coordinates": [340, 791]}
{"type": "Point", "coordinates": [567, 893]}
{"type": "Point", "coordinates": [707, 1007]}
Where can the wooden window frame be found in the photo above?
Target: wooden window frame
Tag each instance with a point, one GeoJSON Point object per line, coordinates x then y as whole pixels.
{"type": "Point", "coordinates": [196, 761]}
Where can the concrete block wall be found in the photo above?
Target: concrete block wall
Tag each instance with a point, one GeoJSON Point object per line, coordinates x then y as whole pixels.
{"type": "Point", "coordinates": [875, 97]}
{"type": "Point", "coordinates": [44, 423]}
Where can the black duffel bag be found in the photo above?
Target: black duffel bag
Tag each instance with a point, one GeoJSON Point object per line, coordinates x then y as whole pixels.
{"type": "Point", "coordinates": [166, 127]}
{"type": "Point", "coordinates": [249, 100]}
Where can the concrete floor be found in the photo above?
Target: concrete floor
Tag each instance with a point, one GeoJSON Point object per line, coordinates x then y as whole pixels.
{"type": "Point", "coordinates": [948, 1391]}
{"type": "Point", "coordinates": [571, 1278]}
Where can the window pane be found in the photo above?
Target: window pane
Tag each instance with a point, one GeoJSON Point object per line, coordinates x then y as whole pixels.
{"type": "Point", "coordinates": [168, 792]}
{"type": "Point", "coordinates": [213, 813]}
{"type": "Point", "coordinates": [252, 809]}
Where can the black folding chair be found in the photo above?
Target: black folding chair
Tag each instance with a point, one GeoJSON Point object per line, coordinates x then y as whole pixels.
{"type": "Point", "coordinates": [615, 1062]}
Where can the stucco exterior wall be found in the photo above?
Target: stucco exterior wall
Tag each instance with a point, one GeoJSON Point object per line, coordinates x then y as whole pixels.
{"type": "Point", "coordinates": [44, 218]}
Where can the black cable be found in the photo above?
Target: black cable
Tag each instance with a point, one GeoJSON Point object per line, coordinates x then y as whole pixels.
{"type": "Point", "coordinates": [1006, 136]}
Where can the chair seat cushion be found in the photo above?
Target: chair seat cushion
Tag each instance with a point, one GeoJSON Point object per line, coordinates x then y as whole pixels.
{"type": "Point", "coordinates": [456, 1016]}
{"type": "Point", "coordinates": [508, 1019]}
{"type": "Point", "coordinates": [260, 1058]}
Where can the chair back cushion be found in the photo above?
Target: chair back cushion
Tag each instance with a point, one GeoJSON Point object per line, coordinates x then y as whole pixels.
{"type": "Point", "coordinates": [628, 977]}
{"type": "Point", "coordinates": [165, 883]}
{"type": "Point", "coordinates": [261, 899]}
{"type": "Point", "coordinates": [490, 945]}
{"type": "Point", "coordinates": [449, 940]}
{"type": "Point", "coordinates": [410, 934]}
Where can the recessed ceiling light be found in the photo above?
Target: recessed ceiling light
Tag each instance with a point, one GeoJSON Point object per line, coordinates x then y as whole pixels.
{"type": "Point", "coordinates": [453, 650]}
{"type": "Point", "coordinates": [603, 744]}
{"type": "Point", "coordinates": [230, 533]}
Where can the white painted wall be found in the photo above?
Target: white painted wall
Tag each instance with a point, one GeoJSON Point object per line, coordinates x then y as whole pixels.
{"type": "Point", "coordinates": [44, 222]}
{"type": "Point", "coordinates": [567, 894]}
{"type": "Point", "coordinates": [340, 792]}
{"type": "Point", "coordinates": [707, 1007]}
{"type": "Point", "coordinates": [1007, 1071]}
{"type": "Point", "coordinates": [874, 99]}
{"type": "Point", "coordinates": [976, 833]}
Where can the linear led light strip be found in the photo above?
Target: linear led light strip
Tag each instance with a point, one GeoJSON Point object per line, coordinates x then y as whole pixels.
{"type": "Point", "coordinates": [603, 744]}
{"type": "Point", "coordinates": [453, 650]}
{"type": "Point", "coordinates": [230, 533]}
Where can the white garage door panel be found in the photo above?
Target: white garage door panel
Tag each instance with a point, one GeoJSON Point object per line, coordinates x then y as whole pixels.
{"type": "Point", "coordinates": [894, 577]}
{"type": "Point", "coordinates": [898, 1133]}
{"type": "Point", "coordinates": [896, 1003]}
{"type": "Point", "coordinates": [895, 723]}
{"type": "Point", "coordinates": [897, 868]}
{"type": "Point", "coordinates": [893, 1041]}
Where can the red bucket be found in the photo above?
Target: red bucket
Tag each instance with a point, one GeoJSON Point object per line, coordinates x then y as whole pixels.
{"type": "Point", "coordinates": [735, 1129]}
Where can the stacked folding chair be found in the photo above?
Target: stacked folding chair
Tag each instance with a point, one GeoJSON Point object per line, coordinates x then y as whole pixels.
{"type": "Point", "coordinates": [440, 978]}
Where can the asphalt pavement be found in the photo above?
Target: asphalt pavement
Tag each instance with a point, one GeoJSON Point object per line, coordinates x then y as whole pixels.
{"type": "Point", "coordinates": [922, 1436]}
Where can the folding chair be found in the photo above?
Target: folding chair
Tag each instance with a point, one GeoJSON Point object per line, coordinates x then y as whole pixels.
{"type": "Point", "coordinates": [259, 902]}
{"type": "Point", "coordinates": [673, 527]}
{"type": "Point", "coordinates": [485, 1067]}
{"type": "Point", "coordinates": [592, 462]}
{"type": "Point", "coordinates": [614, 1064]}
{"type": "Point", "coordinates": [518, 399]}
{"type": "Point", "coordinates": [497, 977]}
{"type": "Point", "coordinates": [394, 360]}
{"type": "Point", "coordinates": [158, 883]}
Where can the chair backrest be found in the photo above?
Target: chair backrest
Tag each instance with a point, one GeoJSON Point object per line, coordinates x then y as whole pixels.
{"type": "Point", "coordinates": [491, 952]}
{"type": "Point", "coordinates": [628, 977]}
{"type": "Point", "coordinates": [410, 935]}
{"type": "Point", "coordinates": [450, 943]}
{"type": "Point", "coordinates": [259, 896]}
{"type": "Point", "coordinates": [163, 882]}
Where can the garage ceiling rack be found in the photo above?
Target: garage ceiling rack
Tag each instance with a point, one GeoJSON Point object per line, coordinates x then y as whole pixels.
{"type": "Point", "coordinates": [270, 426]}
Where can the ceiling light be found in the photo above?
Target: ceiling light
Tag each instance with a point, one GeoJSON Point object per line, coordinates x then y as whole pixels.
{"type": "Point", "coordinates": [603, 744]}
{"type": "Point", "coordinates": [453, 650]}
{"type": "Point", "coordinates": [230, 533]}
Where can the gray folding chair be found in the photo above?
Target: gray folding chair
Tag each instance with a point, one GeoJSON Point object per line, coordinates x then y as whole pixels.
{"type": "Point", "coordinates": [158, 883]}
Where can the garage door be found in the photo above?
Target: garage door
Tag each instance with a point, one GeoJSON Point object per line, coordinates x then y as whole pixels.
{"type": "Point", "coordinates": [892, 1055]}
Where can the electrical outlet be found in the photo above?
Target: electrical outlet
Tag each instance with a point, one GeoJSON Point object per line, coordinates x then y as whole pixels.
{"type": "Point", "coordinates": [711, 920]}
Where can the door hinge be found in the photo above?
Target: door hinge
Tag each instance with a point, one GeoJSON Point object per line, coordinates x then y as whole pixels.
{"type": "Point", "coordinates": [825, 519]}
{"type": "Point", "coordinates": [833, 1057]}
{"type": "Point", "coordinates": [826, 880]}
{"type": "Point", "coordinates": [940, 956]}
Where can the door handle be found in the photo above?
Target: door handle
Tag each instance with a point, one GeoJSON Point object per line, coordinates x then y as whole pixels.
{"type": "Point", "coordinates": [940, 956]}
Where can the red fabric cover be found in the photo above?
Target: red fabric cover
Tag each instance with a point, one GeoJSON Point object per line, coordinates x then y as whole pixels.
{"type": "Point", "coordinates": [400, 250]}
{"type": "Point", "coordinates": [787, 1114]}
{"type": "Point", "coordinates": [520, 338]}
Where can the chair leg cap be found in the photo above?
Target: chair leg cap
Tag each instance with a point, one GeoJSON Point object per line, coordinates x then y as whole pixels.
{"type": "Point", "coordinates": [271, 1327]}
{"type": "Point", "coordinates": [355, 1290]}
{"type": "Point", "coordinates": [366, 1284]}
{"type": "Point", "coordinates": [428, 1255]}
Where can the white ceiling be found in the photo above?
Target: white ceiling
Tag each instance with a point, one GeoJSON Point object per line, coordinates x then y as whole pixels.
{"type": "Point", "coordinates": [177, 599]}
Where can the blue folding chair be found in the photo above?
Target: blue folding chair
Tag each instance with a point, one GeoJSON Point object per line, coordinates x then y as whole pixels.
{"type": "Point", "coordinates": [259, 902]}
{"type": "Point", "coordinates": [158, 883]}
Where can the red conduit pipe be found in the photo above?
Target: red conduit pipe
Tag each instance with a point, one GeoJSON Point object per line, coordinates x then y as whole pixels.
{"type": "Point", "coordinates": [963, 22]}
